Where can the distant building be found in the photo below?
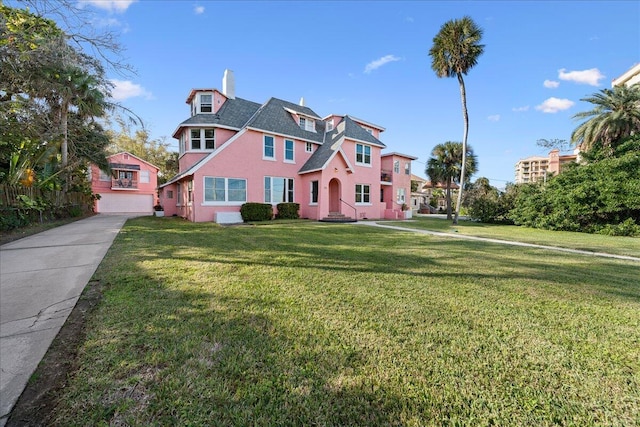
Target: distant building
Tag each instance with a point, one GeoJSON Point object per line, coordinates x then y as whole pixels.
{"type": "Point", "coordinates": [631, 77]}
{"type": "Point", "coordinates": [538, 168]}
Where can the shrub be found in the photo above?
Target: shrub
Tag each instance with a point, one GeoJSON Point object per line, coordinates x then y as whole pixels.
{"type": "Point", "coordinates": [625, 228]}
{"type": "Point", "coordinates": [288, 210]}
{"type": "Point", "coordinates": [256, 212]}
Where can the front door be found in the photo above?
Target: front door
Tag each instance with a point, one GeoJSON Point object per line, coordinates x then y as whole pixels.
{"type": "Point", "coordinates": [334, 196]}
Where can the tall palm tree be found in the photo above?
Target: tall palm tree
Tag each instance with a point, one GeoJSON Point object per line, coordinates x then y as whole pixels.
{"type": "Point", "coordinates": [456, 49]}
{"type": "Point", "coordinates": [616, 116]}
{"type": "Point", "coordinates": [445, 165]}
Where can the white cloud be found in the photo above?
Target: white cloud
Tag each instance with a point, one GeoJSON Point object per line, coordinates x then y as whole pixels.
{"type": "Point", "coordinates": [125, 89]}
{"type": "Point", "coordinates": [199, 10]}
{"type": "Point", "coordinates": [553, 105]}
{"type": "Point", "coordinates": [110, 5]}
{"type": "Point", "coordinates": [494, 118]}
{"type": "Point", "coordinates": [374, 65]}
{"type": "Point", "coordinates": [520, 109]}
{"type": "Point", "coordinates": [589, 77]}
{"type": "Point", "coordinates": [551, 84]}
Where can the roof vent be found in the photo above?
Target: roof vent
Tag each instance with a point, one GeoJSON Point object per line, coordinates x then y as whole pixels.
{"type": "Point", "coordinates": [302, 101]}
{"type": "Point", "coordinates": [229, 84]}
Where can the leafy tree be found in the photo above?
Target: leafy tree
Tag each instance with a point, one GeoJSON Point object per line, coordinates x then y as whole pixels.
{"type": "Point", "coordinates": [456, 49]}
{"type": "Point", "coordinates": [445, 164]}
{"type": "Point", "coordinates": [616, 116]}
{"type": "Point", "coordinates": [599, 197]}
{"type": "Point", "coordinates": [482, 201]}
{"type": "Point", "coordinates": [139, 144]}
{"type": "Point", "coordinates": [50, 97]}
{"type": "Point", "coordinates": [550, 144]}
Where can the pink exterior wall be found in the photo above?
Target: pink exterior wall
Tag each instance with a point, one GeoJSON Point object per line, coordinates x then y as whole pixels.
{"type": "Point", "coordinates": [191, 157]}
{"type": "Point", "coordinates": [106, 187]}
{"type": "Point", "coordinates": [399, 180]}
{"type": "Point", "coordinates": [243, 159]}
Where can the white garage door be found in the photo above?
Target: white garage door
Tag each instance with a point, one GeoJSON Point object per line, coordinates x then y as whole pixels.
{"type": "Point", "coordinates": [125, 203]}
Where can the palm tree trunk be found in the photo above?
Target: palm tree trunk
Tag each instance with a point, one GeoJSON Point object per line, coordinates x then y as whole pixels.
{"type": "Point", "coordinates": [449, 198]}
{"type": "Point", "coordinates": [465, 116]}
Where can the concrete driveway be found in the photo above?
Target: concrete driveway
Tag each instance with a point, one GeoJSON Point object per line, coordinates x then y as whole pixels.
{"type": "Point", "coordinates": [41, 279]}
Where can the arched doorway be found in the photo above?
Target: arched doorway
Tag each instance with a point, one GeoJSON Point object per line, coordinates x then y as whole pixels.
{"type": "Point", "coordinates": [334, 196]}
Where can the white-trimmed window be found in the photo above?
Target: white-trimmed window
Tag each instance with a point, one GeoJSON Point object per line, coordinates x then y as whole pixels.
{"type": "Point", "coordinates": [196, 140]}
{"type": "Point", "coordinates": [269, 147]}
{"type": "Point", "coordinates": [179, 194]}
{"type": "Point", "coordinates": [363, 154]}
{"type": "Point", "coordinates": [363, 195]}
{"type": "Point", "coordinates": [313, 198]}
{"type": "Point", "coordinates": [104, 176]}
{"type": "Point", "coordinates": [221, 190]}
{"type": "Point", "coordinates": [203, 139]}
{"type": "Point", "coordinates": [182, 142]}
{"type": "Point", "coordinates": [396, 166]}
{"type": "Point", "coordinates": [144, 177]}
{"type": "Point", "coordinates": [278, 190]}
{"type": "Point", "coordinates": [329, 125]}
{"type": "Point", "coordinates": [308, 147]}
{"type": "Point", "coordinates": [407, 168]}
{"type": "Point", "coordinates": [400, 196]}
{"type": "Point", "coordinates": [206, 105]}
{"type": "Point", "coordinates": [288, 151]}
{"type": "Point", "coordinates": [189, 192]}
{"type": "Point", "coordinates": [209, 139]}
{"type": "Point", "coordinates": [307, 124]}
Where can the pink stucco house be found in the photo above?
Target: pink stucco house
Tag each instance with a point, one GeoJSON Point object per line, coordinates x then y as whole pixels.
{"type": "Point", "coordinates": [130, 187]}
{"type": "Point", "coordinates": [233, 151]}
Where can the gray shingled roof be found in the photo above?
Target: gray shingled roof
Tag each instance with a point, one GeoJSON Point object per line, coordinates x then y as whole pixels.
{"type": "Point", "coordinates": [347, 128]}
{"type": "Point", "coordinates": [272, 117]}
{"type": "Point", "coordinates": [234, 113]}
{"type": "Point", "coordinates": [355, 131]}
{"type": "Point", "coordinates": [323, 153]}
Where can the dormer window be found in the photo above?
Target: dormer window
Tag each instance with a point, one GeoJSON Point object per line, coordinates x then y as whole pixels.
{"type": "Point", "coordinates": [206, 105]}
{"type": "Point", "coordinates": [329, 125]}
{"type": "Point", "coordinates": [307, 124]}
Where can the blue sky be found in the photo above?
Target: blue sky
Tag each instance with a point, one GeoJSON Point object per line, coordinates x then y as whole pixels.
{"type": "Point", "coordinates": [370, 59]}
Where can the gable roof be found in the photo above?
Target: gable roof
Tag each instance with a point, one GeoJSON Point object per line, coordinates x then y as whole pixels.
{"type": "Point", "coordinates": [234, 113]}
{"type": "Point", "coordinates": [353, 130]}
{"type": "Point", "coordinates": [275, 116]}
{"type": "Point", "coordinates": [135, 157]}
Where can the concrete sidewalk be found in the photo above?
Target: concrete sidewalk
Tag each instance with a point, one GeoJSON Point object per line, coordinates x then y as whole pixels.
{"type": "Point", "coordinates": [502, 242]}
{"type": "Point", "coordinates": [41, 279]}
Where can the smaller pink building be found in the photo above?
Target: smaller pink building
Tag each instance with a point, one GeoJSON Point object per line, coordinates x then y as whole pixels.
{"type": "Point", "coordinates": [129, 187]}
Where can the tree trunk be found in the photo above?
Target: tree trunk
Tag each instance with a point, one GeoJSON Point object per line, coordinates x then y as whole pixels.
{"type": "Point", "coordinates": [465, 116]}
{"type": "Point", "coordinates": [65, 144]}
{"type": "Point", "coordinates": [449, 198]}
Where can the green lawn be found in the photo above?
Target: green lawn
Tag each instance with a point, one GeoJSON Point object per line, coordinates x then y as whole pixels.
{"type": "Point", "coordinates": [338, 325]}
{"type": "Point", "coordinates": [629, 246]}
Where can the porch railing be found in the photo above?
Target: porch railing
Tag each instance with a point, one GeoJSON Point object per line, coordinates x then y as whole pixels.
{"type": "Point", "coordinates": [355, 211]}
{"type": "Point", "coordinates": [124, 183]}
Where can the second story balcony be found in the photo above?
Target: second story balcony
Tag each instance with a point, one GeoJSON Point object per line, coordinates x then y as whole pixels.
{"type": "Point", "coordinates": [124, 184]}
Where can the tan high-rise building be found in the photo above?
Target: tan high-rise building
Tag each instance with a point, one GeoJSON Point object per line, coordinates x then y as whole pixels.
{"type": "Point", "coordinates": [539, 168]}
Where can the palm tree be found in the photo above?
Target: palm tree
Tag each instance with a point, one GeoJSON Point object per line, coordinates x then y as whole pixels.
{"type": "Point", "coordinates": [616, 116]}
{"type": "Point", "coordinates": [456, 49]}
{"type": "Point", "coordinates": [445, 165]}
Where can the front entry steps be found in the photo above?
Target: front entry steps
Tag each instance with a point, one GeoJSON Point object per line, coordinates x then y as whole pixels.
{"type": "Point", "coordinates": [337, 217]}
